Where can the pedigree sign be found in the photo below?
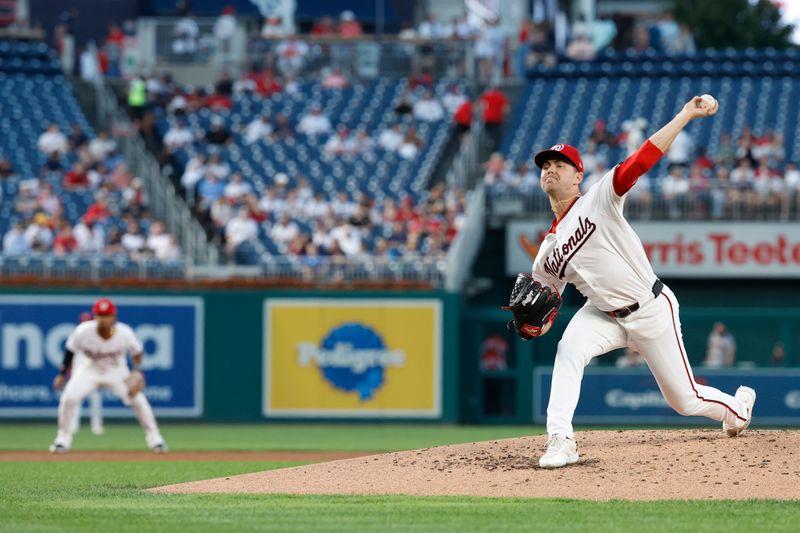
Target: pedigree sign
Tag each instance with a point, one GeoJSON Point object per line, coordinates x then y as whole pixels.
{"type": "Point", "coordinates": [689, 250]}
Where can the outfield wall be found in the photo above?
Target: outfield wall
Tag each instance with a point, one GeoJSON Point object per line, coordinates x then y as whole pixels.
{"type": "Point", "coordinates": [247, 355]}
{"type": "Point", "coordinates": [498, 368]}
{"type": "Point", "coordinates": [254, 355]}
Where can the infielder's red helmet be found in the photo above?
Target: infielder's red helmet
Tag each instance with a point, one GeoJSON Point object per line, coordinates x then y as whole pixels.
{"type": "Point", "coordinates": [560, 151]}
{"type": "Point", "coordinates": [104, 307]}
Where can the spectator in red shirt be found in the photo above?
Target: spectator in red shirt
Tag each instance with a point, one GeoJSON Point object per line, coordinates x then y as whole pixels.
{"type": "Point", "coordinates": [324, 27]}
{"type": "Point", "coordinates": [99, 209]}
{"type": "Point", "coordinates": [195, 100]}
{"type": "Point", "coordinates": [335, 79]}
{"type": "Point", "coordinates": [524, 31]}
{"type": "Point", "coordinates": [349, 27]}
{"type": "Point", "coordinates": [65, 242]}
{"type": "Point", "coordinates": [115, 35]}
{"type": "Point", "coordinates": [218, 101]}
{"type": "Point", "coordinates": [113, 48]}
{"type": "Point", "coordinates": [76, 178]}
{"type": "Point", "coordinates": [102, 60]}
{"type": "Point", "coordinates": [253, 209]}
{"type": "Point", "coordinates": [463, 117]}
{"type": "Point", "coordinates": [406, 211]}
{"type": "Point", "coordinates": [424, 78]}
{"type": "Point", "coordinates": [494, 108]}
{"type": "Point", "coordinates": [267, 84]}
{"type": "Point", "coordinates": [601, 135]}
{"type": "Point", "coordinates": [703, 161]}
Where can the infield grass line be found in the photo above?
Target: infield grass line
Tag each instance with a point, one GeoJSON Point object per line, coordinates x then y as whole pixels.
{"type": "Point", "coordinates": [127, 436]}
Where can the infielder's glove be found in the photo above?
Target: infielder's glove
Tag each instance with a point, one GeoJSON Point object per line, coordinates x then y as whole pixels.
{"type": "Point", "coordinates": [534, 306]}
{"type": "Point", "coordinates": [135, 383]}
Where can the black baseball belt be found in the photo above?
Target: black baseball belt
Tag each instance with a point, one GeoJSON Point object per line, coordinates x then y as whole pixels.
{"type": "Point", "coordinates": [658, 286]}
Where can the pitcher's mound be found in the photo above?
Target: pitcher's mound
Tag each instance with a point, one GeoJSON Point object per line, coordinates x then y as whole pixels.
{"type": "Point", "coordinates": [632, 465]}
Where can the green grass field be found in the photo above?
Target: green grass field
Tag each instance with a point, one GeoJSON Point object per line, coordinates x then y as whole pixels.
{"type": "Point", "coordinates": [106, 496]}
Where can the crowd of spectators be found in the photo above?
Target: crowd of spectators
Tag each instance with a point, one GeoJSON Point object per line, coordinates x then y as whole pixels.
{"type": "Point", "coordinates": [82, 172]}
{"type": "Point", "coordinates": [543, 43]}
{"type": "Point", "coordinates": [311, 224]}
{"type": "Point", "coordinates": [355, 227]}
{"type": "Point", "coordinates": [280, 45]}
{"type": "Point", "coordinates": [300, 220]}
{"type": "Point", "coordinates": [411, 109]}
{"type": "Point", "coordinates": [746, 179]}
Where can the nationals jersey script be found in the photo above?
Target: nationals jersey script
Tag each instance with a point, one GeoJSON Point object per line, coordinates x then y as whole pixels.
{"type": "Point", "coordinates": [594, 248]}
{"type": "Point", "coordinates": [105, 352]}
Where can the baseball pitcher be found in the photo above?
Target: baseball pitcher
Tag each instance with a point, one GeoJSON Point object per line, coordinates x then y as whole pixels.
{"type": "Point", "coordinates": [592, 246]}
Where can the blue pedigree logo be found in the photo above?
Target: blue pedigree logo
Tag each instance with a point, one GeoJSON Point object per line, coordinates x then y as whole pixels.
{"type": "Point", "coordinates": [353, 358]}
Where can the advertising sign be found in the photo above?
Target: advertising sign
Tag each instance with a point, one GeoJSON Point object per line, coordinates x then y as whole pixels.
{"type": "Point", "coordinates": [622, 396]}
{"type": "Point", "coordinates": [350, 358]}
{"type": "Point", "coordinates": [688, 249]}
{"type": "Point", "coordinates": [33, 330]}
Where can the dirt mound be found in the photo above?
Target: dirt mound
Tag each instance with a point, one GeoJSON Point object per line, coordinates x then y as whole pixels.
{"type": "Point", "coordinates": [631, 465]}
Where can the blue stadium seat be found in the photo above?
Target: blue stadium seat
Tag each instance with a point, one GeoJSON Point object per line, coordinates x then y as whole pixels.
{"type": "Point", "coordinates": [366, 106]}
{"type": "Point", "coordinates": [756, 88]}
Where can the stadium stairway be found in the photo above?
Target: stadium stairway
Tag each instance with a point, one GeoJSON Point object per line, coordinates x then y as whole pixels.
{"type": "Point", "coordinates": [102, 108]}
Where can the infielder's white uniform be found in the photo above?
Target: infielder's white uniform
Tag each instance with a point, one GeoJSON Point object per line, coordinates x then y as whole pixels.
{"type": "Point", "coordinates": [594, 248]}
{"type": "Point", "coordinates": [95, 401]}
{"type": "Point", "coordinates": [107, 368]}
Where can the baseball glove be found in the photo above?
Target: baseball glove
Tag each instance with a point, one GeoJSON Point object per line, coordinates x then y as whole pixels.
{"type": "Point", "coordinates": [534, 306]}
{"type": "Point", "coordinates": [135, 383]}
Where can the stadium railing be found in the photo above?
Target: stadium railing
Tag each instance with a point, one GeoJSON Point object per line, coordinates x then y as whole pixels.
{"type": "Point", "coordinates": [368, 56]}
{"type": "Point", "coordinates": [713, 204]}
{"type": "Point", "coordinates": [467, 242]}
{"type": "Point", "coordinates": [326, 271]}
{"type": "Point", "coordinates": [38, 266]}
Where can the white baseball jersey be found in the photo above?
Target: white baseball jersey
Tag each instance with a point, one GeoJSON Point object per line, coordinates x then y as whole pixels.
{"type": "Point", "coordinates": [594, 248]}
{"type": "Point", "coordinates": [110, 352]}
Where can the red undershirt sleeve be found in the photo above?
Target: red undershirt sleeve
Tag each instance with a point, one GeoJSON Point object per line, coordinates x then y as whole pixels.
{"type": "Point", "coordinates": [637, 164]}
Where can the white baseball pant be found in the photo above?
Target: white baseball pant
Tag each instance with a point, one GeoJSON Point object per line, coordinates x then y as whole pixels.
{"type": "Point", "coordinates": [95, 414]}
{"type": "Point", "coordinates": [90, 378]}
{"type": "Point", "coordinates": [654, 330]}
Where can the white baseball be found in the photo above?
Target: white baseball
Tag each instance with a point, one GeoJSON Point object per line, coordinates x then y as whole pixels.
{"type": "Point", "coordinates": [709, 100]}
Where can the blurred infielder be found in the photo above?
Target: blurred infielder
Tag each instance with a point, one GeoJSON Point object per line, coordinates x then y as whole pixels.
{"type": "Point", "coordinates": [592, 246]}
{"type": "Point", "coordinates": [95, 398]}
{"type": "Point", "coordinates": [106, 343]}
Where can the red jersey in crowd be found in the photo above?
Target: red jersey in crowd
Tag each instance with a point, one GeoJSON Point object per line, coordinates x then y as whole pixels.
{"type": "Point", "coordinates": [267, 85]}
{"type": "Point", "coordinates": [463, 115]}
{"type": "Point", "coordinates": [495, 104]}
{"type": "Point", "coordinates": [217, 101]}
{"type": "Point", "coordinates": [323, 27]}
{"type": "Point", "coordinates": [350, 28]}
{"type": "Point", "coordinates": [98, 211]}
{"type": "Point", "coordinates": [75, 179]}
{"type": "Point", "coordinates": [65, 243]}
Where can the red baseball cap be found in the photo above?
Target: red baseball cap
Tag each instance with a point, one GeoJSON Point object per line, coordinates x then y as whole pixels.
{"type": "Point", "coordinates": [104, 307]}
{"type": "Point", "coordinates": [560, 151]}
